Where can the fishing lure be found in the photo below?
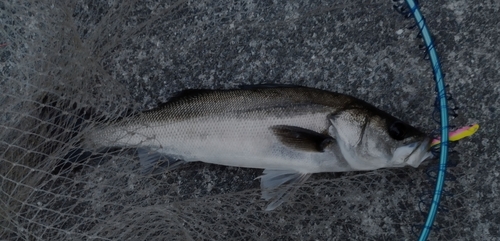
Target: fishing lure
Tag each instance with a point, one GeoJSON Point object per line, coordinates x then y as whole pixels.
{"type": "Point", "coordinates": [458, 134]}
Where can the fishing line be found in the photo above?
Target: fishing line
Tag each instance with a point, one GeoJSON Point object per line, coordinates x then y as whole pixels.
{"type": "Point", "coordinates": [437, 173]}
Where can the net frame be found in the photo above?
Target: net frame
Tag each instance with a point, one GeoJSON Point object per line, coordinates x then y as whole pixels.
{"type": "Point", "coordinates": [443, 107]}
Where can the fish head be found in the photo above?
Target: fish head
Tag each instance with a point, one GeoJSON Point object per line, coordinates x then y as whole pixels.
{"type": "Point", "coordinates": [370, 138]}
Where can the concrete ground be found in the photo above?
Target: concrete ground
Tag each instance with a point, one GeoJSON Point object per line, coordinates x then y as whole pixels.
{"type": "Point", "coordinates": [363, 48]}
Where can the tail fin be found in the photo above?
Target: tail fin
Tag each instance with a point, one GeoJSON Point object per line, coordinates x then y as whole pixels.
{"type": "Point", "coordinates": [77, 158]}
{"type": "Point", "coordinates": [63, 120]}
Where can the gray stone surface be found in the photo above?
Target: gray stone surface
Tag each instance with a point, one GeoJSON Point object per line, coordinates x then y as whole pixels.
{"type": "Point", "coordinates": [363, 48]}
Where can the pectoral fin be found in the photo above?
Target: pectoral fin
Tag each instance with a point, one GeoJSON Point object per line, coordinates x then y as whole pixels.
{"type": "Point", "coordinates": [279, 185]}
{"type": "Point", "coordinates": [300, 138]}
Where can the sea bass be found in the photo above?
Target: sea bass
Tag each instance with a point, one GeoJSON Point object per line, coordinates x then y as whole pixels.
{"type": "Point", "coordinates": [291, 132]}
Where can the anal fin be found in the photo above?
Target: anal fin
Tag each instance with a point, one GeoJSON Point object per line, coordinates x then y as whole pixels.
{"type": "Point", "coordinates": [153, 162]}
{"type": "Point", "coordinates": [278, 185]}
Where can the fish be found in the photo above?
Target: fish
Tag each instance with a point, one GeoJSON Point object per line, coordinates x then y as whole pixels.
{"type": "Point", "coordinates": [289, 131]}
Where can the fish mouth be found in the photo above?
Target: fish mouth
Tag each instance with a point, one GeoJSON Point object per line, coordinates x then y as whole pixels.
{"type": "Point", "coordinates": [421, 152]}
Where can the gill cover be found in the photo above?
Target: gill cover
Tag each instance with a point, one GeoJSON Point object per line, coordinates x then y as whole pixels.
{"type": "Point", "coordinates": [370, 138]}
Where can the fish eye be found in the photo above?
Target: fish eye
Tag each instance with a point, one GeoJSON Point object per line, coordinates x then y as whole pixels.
{"type": "Point", "coordinates": [398, 130]}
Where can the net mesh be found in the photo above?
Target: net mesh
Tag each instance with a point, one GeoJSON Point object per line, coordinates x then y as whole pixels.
{"type": "Point", "coordinates": [69, 66]}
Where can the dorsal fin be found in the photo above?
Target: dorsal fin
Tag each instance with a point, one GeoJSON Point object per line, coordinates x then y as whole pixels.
{"type": "Point", "coordinates": [182, 95]}
{"type": "Point", "coordinates": [188, 94]}
{"type": "Point", "coordinates": [268, 86]}
{"type": "Point", "coordinates": [193, 93]}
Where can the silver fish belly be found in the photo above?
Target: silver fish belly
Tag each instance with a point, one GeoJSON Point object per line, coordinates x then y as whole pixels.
{"type": "Point", "coordinates": [290, 132]}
